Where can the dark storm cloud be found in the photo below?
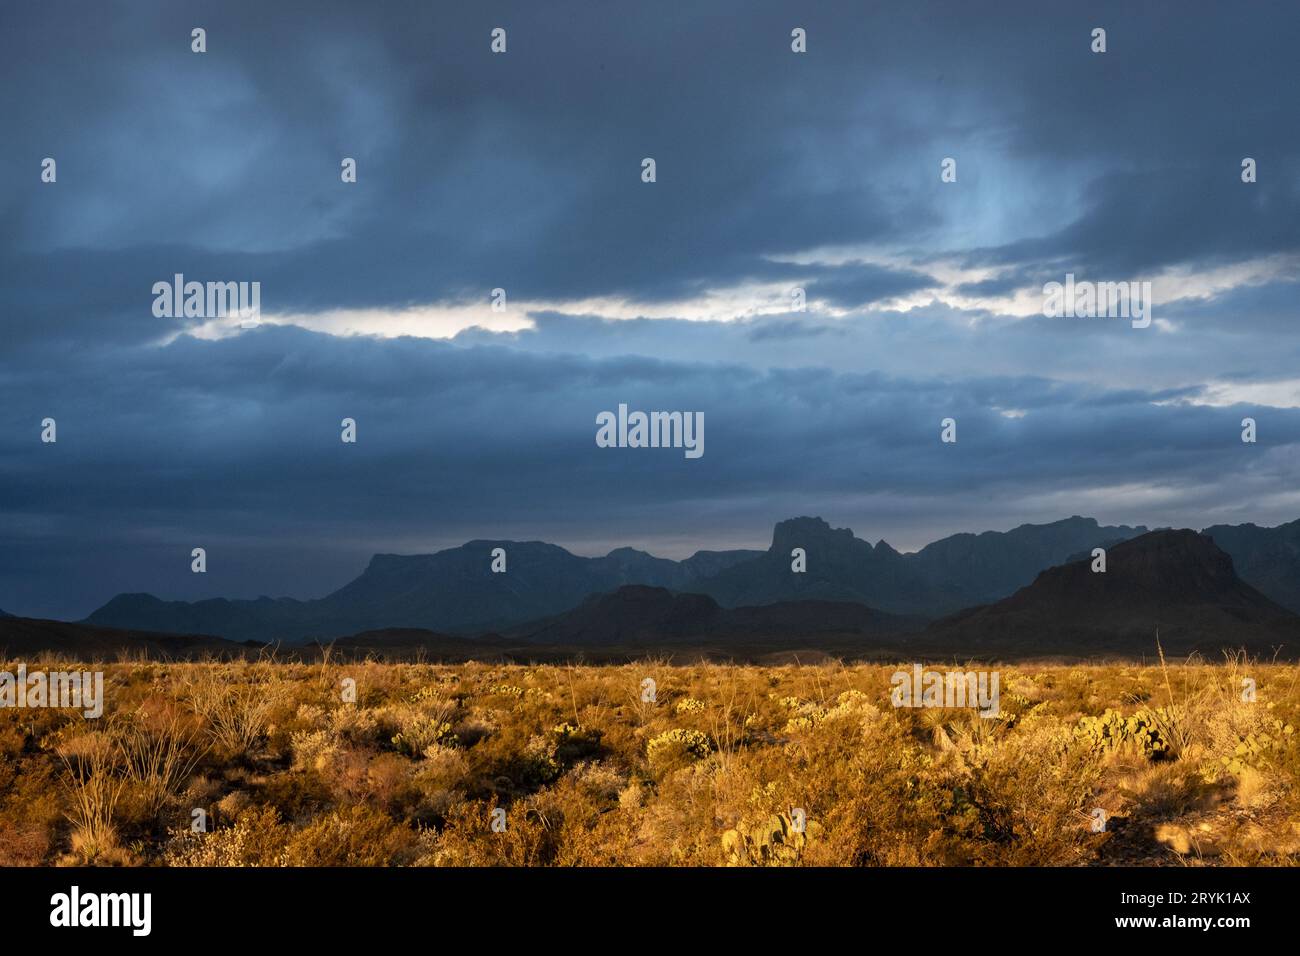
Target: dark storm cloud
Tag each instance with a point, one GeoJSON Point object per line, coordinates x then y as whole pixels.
{"type": "Point", "coordinates": [1136, 223]}
{"type": "Point", "coordinates": [522, 171]}
{"type": "Point", "coordinates": [783, 331]}
{"type": "Point", "coordinates": [854, 286]}
{"type": "Point", "coordinates": [1269, 310]}
{"type": "Point", "coordinates": [1245, 334]}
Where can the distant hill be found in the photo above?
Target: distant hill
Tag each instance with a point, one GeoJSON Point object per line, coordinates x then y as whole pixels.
{"type": "Point", "coordinates": [646, 616]}
{"type": "Point", "coordinates": [978, 568]}
{"type": "Point", "coordinates": [263, 619]}
{"type": "Point", "coordinates": [22, 637]}
{"type": "Point", "coordinates": [1269, 558]}
{"type": "Point", "coordinates": [775, 634]}
{"type": "Point", "coordinates": [1180, 582]}
{"type": "Point", "coordinates": [412, 643]}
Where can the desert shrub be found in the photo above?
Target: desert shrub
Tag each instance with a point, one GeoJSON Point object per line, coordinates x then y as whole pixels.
{"type": "Point", "coordinates": [355, 836]}
{"type": "Point", "coordinates": [676, 748]}
{"type": "Point", "coordinates": [574, 743]}
{"type": "Point", "coordinates": [1164, 789]}
{"type": "Point", "coordinates": [29, 811]}
{"type": "Point", "coordinates": [158, 752]}
{"type": "Point", "coordinates": [1032, 793]}
{"type": "Point", "coordinates": [538, 764]}
{"type": "Point", "coordinates": [313, 749]}
{"type": "Point", "coordinates": [257, 837]}
{"type": "Point", "coordinates": [440, 781]}
{"type": "Point", "coordinates": [442, 766]}
{"type": "Point", "coordinates": [419, 734]}
{"type": "Point", "coordinates": [473, 728]}
{"type": "Point", "coordinates": [356, 725]}
{"type": "Point", "coordinates": [469, 840]}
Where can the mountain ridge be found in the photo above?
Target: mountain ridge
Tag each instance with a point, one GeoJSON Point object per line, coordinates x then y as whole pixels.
{"type": "Point", "coordinates": [453, 591]}
{"type": "Point", "coordinates": [1171, 589]}
{"type": "Point", "coordinates": [1175, 586]}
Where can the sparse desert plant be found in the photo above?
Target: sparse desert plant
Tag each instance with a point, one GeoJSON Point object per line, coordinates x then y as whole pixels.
{"type": "Point", "coordinates": [237, 707]}
{"type": "Point", "coordinates": [94, 788]}
{"type": "Point", "coordinates": [313, 749]}
{"type": "Point", "coordinates": [159, 752]}
{"type": "Point", "coordinates": [676, 748]}
{"type": "Point", "coordinates": [573, 743]}
{"type": "Point", "coordinates": [356, 836]}
{"type": "Point", "coordinates": [256, 838]}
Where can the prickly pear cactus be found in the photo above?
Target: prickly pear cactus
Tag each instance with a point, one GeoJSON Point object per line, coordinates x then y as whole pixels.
{"type": "Point", "coordinates": [1256, 749]}
{"type": "Point", "coordinates": [775, 841]}
{"type": "Point", "coordinates": [1139, 733]}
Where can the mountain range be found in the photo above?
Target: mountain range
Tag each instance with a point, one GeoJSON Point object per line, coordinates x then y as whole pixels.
{"type": "Point", "coordinates": [1179, 586]}
{"type": "Point", "coordinates": [454, 591]}
{"type": "Point", "coordinates": [853, 599]}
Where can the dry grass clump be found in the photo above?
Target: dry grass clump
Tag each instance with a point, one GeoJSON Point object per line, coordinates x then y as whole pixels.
{"type": "Point", "coordinates": [94, 789]}
{"type": "Point", "coordinates": [236, 701]}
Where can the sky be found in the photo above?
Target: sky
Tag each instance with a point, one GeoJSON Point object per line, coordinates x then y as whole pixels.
{"type": "Point", "coordinates": [523, 171]}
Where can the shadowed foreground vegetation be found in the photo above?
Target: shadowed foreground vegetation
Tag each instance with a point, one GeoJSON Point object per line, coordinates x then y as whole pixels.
{"type": "Point", "coordinates": [713, 771]}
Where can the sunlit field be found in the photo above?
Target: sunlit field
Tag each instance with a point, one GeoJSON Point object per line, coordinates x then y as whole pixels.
{"type": "Point", "coordinates": [406, 764]}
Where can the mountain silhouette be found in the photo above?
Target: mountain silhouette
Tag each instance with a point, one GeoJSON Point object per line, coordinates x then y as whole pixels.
{"type": "Point", "coordinates": [1269, 558]}
{"type": "Point", "coordinates": [454, 591]}
{"type": "Point", "coordinates": [451, 591]}
{"type": "Point", "coordinates": [979, 568]}
{"type": "Point", "coordinates": [1179, 583]}
{"type": "Point", "coordinates": [950, 574]}
{"type": "Point", "coordinates": [840, 567]}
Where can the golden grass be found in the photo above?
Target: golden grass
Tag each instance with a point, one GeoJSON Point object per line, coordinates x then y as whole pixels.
{"type": "Point", "coordinates": [727, 765]}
